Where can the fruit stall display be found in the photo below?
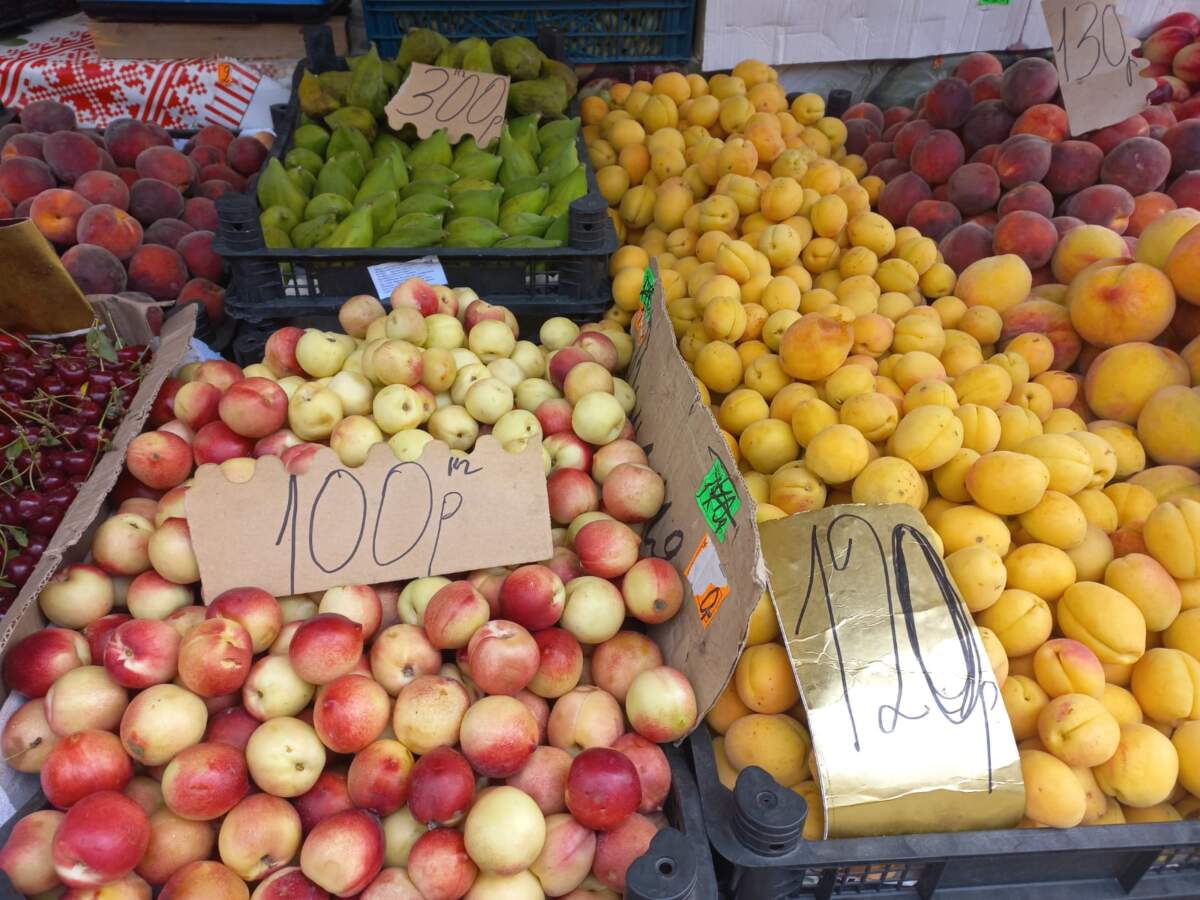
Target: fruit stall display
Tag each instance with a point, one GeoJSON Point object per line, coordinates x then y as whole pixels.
{"type": "Point", "coordinates": [494, 734]}
{"type": "Point", "coordinates": [126, 210]}
{"type": "Point", "coordinates": [958, 307]}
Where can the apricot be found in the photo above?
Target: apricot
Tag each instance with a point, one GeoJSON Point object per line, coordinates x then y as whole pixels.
{"type": "Point", "coordinates": [979, 575]}
{"type": "Point", "coordinates": [1079, 730]}
{"type": "Point", "coordinates": [765, 680]}
{"type": "Point", "coordinates": [1021, 620]}
{"type": "Point", "coordinates": [1152, 589]}
{"type": "Point", "coordinates": [1143, 769]}
{"type": "Point", "coordinates": [1166, 683]}
{"type": "Point", "coordinates": [778, 744]}
{"type": "Point", "coordinates": [1168, 426]}
{"type": "Point", "coordinates": [970, 526]}
{"type": "Point", "coordinates": [1054, 797]}
{"type": "Point", "coordinates": [890, 480]}
{"type": "Point", "coordinates": [1040, 569]}
{"type": "Point", "coordinates": [1111, 303]}
{"type": "Point", "coordinates": [998, 282]}
{"type": "Point", "coordinates": [815, 346]}
{"type": "Point", "coordinates": [1024, 701]}
{"type": "Point", "coordinates": [1064, 666]}
{"type": "Point", "coordinates": [1186, 740]}
{"type": "Point", "coordinates": [1105, 620]}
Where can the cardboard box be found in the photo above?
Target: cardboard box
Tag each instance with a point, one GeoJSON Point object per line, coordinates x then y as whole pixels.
{"type": "Point", "coordinates": [781, 32]}
{"type": "Point", "coordinates": [71, 542]}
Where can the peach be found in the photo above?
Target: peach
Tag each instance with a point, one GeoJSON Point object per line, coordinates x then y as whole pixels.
{"type": "Point", "coordinates": [1108, 138]}
{"type": "Point", "coordinates": [389, 884]}
{"type": "Point", "coordinates": [1029, 235]}
{"type": "Point", "coordinates": [1159, 238]}
{"type": "Point", "coordinates": [618, 848]}
{"type": "Point", "coordinates": [1147, 209]}
{"type": "Point", "coordinates": [497, 736]}
{"type": "Point", "coordinates": [23, 178]}
{"type": "Point", "coordinates": [620, 659]}
{"type": "Point", "coordinates": [205, 880]}
{"type": "Point", "coordinates": [198, 254]}
{"type": "Point", "coordinates": [1183, 143]}
{"type": "Point", "coordinates": [901, 195]}
{"type": "Point", "coordinates": [1182, 263]}
{"type": "Point", "coordinates": [70, 154]}
{"type": "Point", "coordinates": [150, 596]}
{"type": "Point", "coordinates": [350, 712]}
{"type": "Point", "coordinates": [860, 133]}
{"type": "Point", "coordinates": [221, 172]}
{"type": "Point", "coordinates": [209, 295]}
{"type": "Point", "coordinates": [344, 853]}
{"type": "Point", "coordinates": [1046, 120]}
{"type": "Point", "coordinates": [246, 155]}
{"type": "Point", "coordinates": [1028, 82]}
{"type": "Point", "coordinates": [585, 717]}
{"type": "Point", "coordinates": [325, 646]}
{"type": "Point", "coordinates": [1121, 380]}
{"type": "Point", "coordinates": [27, 740]}
{"type": "Point", "coordinates": [567, 855]}
{"type": "Point", "coordinates": [654, 772]}
{"type": "Point", "coordinates": [1185, 190]}
{"type": "Point", "coordinates": [934, 218]}
{"type": "Point", "coordinates": [214, 657]}
{"type": "Point", "coordinates": [976, 65]}
{"type": "Point", "coordinates": [1109, 205]}
{"type": "Point", "coordinates": [111, 228]}
{"type": "Point", "coordinates": [95, 269]}
{"type": "Point", "coordinates": [56, 214]}
{"type": "Point", "coordinates": [200, 213]}
{"type": "Point", "coordinates": [966, 244]}
{"type": "Point", "coordinates": [988, 123]}
{"type": "Point", "coordinates": [439, 866]}
{"type": "Point", "coordinates": [379, 776]}
{"type": "Point", "coordinates": [1138, 164]}
{"type": "Point", "coordinates": [82, 698]}
{"type": "Point", "coordinates": [35, 662]}
{"type": "Point", "coordinates": [947, 103]}
{"type": "Point", "coordinates": [259, 836]}
{"type": "Point", "coordinates": [1165, 42]}
{"type": "Point", "coordinates": [100, 840]}
{"type": "Point", "coordinates": [83, 763]}
{"type": "Point", "coordinates": [1081, 247]}
{"type": "Point", "coordinates": [936, 156]}
{"type": "Point", "coordinates": [1111, 303]}
{"type": "Point", "coordinates": [141, 653]}
{"type": "Point", "coordinates": [1074, 165]}
{"type": "Point", "coordinates": [328, 796]}
{"type": "Point", "coordinates": [543, 777]}
{"type": "Point", "coordinates": [1045, 317]}
{"type": "Point", "coordinates": [127, 138]}
{"type": "Point", "coordinates": [158, 271]}
{"type": "Point", "coordinates": [633, 493]}
{"type": "Point", "coordinates": [1030, 196]}
{"type": "Point", "coordinates": [151, 199]}
{"type": "Point", "coordinates": [428, 712]}
{"type": "Point", "coordinates": [166, 164]}
{"type": "Point", "coordinates": [1022, 158]}
{"type": "Point", "coordinates": [908, 136]}
{"type": "Point", "coordinates": [252, 608]}
{"type": "Point", "coordinates": [999, 282]}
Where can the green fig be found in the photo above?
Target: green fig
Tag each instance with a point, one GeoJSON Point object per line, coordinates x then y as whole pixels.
{"type": "Point", "coordinates": [517, 186]}
{"type": "Point", "coordinates": [391, 76]}
{"type": "Point", "coordinates": [477, 165]}
{"type": "Point", "coordinates": [523, 131]}
{"type": "Point", "coordinates": [350, 164]}
{"type": "Point", "coordinates": [526, 241]}
{"type": "Point", "coordinates": [472, 232]}
{"type": "Point", "coordinates": [276, 188]}
{"type": "Point", "coordinates": [356, 118]}
{"type": "Point", "coordinates": [434, 172]}
{"type": "Point", "coordinates": [354, 231]}
{"type": "Point", "coordinates": [367, 88]}
{"type": "Point", "coordinates": [329, 204]}
{"type": "Point", "coordinates": [424, 203]}
{"type": "Point", "coordinates": [336, 83]}
{"type": "Point", "coordinates": [424, 187]}
{"type": "Point", "coordinates": [518, 57]}
{"type": "Point", "coordinates": [525, 223]}
{"type": "Point", "coordinates": [544, 96]}
{"type": "Point", "coordinates": [413, 230]}
{"type": "Point", "coordinates": [552, 68]}
{"type": "Point", "coordinates": [276, 238]}
{"type": "Point", "coordinates": [302, 179]}
{"type": "Point", "coordinates": [282, 217]}
{"type": "Point", "coordinates": [469, 184]}
{"type": "Point", "coordinates": [387, 144]}
{"type": "Point", "coordinates": [383, 209]}
{"type": "Point", "coordinates": [333, 180]}
{"type": "Point", "coordinates": [380, 181]}
{"type": "Point", "coordinates": [311, 137]}
{"type": "Point", "coordinates": [558, 230]}
{"type": "Point", "coordinates": [445, 59]}
{"type": "Point", "coordinates": [420, 45]}
{"type": "Point", "coordinates": [569, 189]}
{"type": "Point", "coordinates": [315, 100]}
{"type": "Point", "coordinates": [347, 139]}
{"type": "Point", "coordinates": [563, 163]}
{"type": "Point", "coordinates": [305, 159]}
{"type": "Point", "coordinates": [478, 59]}
{"type": "Point", "coordinates": [308, 234]}
{"type": "Point", "coordinates": [465, 147]}
{"type": "Point", "coordinates": [399, 170]}
{"type": "Point", "coordinates": [481, 204]}
{"type": "Point", "coordinates": [434, 149]}
{"type": "Point", "coordinates": [558, 130]}
{"type": "Point", "coordinates": [531, 201]}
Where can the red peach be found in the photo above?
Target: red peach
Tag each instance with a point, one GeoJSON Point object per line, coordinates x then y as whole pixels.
{"type": "Point", "coordinates": [379, 776]}
{"type": "Point", "coordinates": [83, 763]}
{"type": "Point", "coordinates": [503, 657]}
{"type": "Point", "coordinates": [1029, 197]}
{"type": "Point", "coordinates": [652, 590]}
{"type": "Point", "coordinates": [616, 849]}
{"type": "Point", "coordinates": [216, 442]}
{"type": "Point", "coordinates": [585, 717]}
{"type": "Point", "coordinates": [901, 195]}
{"type": "Point", "coordinates": [85, 697]}
{"type": "Point", "coordinates": [328, 796]}
{"type": "Point", "coordinates": [560, 666]}
{"type": "Point", "coordinates": [231, 726]}
{"type": "Point", "coordinates": [554, 415]}
{"type": "Point", "coordinates": [654, 772]}
{"type": "Point", "coordinates": [439, 866]}
{"type": "Point", "coordinates": [174, 842]}
{"type": "Point", "coordinates": [27, 740]}
{"type": "Point", "coordinates": [344, 853]}
{"type": "Point", "coordinates": [566, 858]}
{"type": "Point", "coordinates": [357, 602]}
{"type": "Point", "coordinates": [100, 840]}
{"type": "Point", "coordinates": [150, 596]}
{"type": "Point", "coordinates": [204, 880]}
{"type": "Point", "coordinates": [622, 658]}
{"type": "Point", "coordinates": [400, 654]}
{"type": "Point", "coordinates": [606, 548]}
{"type": "Point", "coordinates": [661, 704]}
{"type": "Point", "coordinates": [633, 493]}
{"type": "Point", "coordinates": [325, 647]}
{"type": "Point", "coordinates": [532, 596]}
{"type": "Point", "coordinates": [159, 459]}
{"type": "Point", "coordinates": [497, 736]}
{"type": "Point", "coordinates": [26, 855]}
{"type": "Point", "coordinates": [350, 712]}
{"type": "Point", "coordinates": [567, 451]}
{"type": "Point", "coordinates": [908, 137]}
{"type": "Point", "coordinates": [254, 407]}
{"type": "Point", "coordinates": [453, 614]}
{"type": "Point", "coordinates": [252, 608]}
{"type": "Point", "coordinates": [246, 155]}
{"type": "Point", "coordinates": [571, 492]}
{"type": "Point", "coordinates": [602, 788]}
{"type": "Point", "coordinates": [429, 711]}
{"type": "Point", "coordinates": [205, 781]}
{"type": "Point", "coordinates": [196, 404]}
{"type": "Point", "coordinates": [442, 787]}
{"type": "Point", "coordinates": [35, 662]}
{"type": "Point", "coordinates": [214, 657]}
{"type": "Point", "coordinates": [141, 653]}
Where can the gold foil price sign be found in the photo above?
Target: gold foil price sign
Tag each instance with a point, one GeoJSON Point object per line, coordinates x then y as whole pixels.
{"type": "Point", "coordinates": [908, 727]}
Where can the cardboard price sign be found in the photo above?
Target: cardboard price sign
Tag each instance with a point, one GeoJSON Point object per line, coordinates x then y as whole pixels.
{"type": "Point", "coordinates": [386, 520]}
{"type": "Point", "coordinates": [462, 102]}
{"type": "Point", "coordinates": [705, 527]}
{"type": "Point", "coordinates": [908, 726]}
{"type": "Point", "coordinates": [1101, 81]}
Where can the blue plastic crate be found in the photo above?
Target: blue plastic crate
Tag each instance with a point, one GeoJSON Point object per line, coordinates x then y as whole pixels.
{"type": "Point", "coordinates": [640, 30]}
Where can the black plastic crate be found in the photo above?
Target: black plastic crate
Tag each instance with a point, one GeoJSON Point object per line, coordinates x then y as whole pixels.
{"type": "Point", "coordinates": [233, 11]}
{"type": "Point", "coordinates": [677, 866]}
{"type": "Point", "coordinates": [755, 830]}
{"type": "Point", "coordinates": [593, 32]}
{"type": "Point", "coordinates": [16, 14]}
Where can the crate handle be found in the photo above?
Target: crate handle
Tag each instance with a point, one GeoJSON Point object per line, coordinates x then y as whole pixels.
{"type": "Point", "coordinates": [766, 817]}
{"type": "Point", "coordinates": [319, 49]}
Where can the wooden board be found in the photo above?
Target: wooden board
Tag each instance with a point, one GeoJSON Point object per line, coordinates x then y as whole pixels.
{"type": "Point", "coordinates": [158, 40]}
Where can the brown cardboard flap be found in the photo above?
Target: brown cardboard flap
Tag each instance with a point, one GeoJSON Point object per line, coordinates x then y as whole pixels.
{"type": "Point", "coordinates": [722, 569]}
{"type": "Point", "coordinates": [37, 296]}
{"type": "Point", "coordinates": [68, 542]}
{"type": "Point", "coordinates": [385, 520]}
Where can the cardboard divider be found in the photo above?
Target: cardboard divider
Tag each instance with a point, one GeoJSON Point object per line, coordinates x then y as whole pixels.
{"type": "Point", "coordinates": [706, 526]}
{"type": "Point", "coordinates": [71, 542]}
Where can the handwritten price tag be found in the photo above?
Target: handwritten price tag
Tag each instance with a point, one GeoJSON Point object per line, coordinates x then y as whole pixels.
{"type": "Point", "coordinates": [383, 521]}
{"type": "Point", "coordinates": [462, 102]}
{"type": "Point", "coordinates": [1101, 82]}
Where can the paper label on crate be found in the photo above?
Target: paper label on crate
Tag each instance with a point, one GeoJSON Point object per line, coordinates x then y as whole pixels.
{"type": "Point", "coordinates": [434, 97]}
{"type": "Point", "coordinates": [1101, 80]}
{"type": "Point", "coordinates": [385, 520]}
{"type": "Point", "coordinates": [389, 276]}
{"type": "Point", "coordinates": [707, 581]}
{"type": "Point", "coordinates": [909, 729]}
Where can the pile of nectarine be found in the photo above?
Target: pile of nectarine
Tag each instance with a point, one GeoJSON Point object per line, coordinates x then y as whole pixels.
{"type": "Point", "coordinates": [489, 734]}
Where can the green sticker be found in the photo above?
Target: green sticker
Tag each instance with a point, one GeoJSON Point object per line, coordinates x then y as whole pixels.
{"type": "Point", "coordinates": [647, 292]}
{"type": "Point", "coordinates": [718, 499]}
{"type": "Point", "coordinates": [994, 2]}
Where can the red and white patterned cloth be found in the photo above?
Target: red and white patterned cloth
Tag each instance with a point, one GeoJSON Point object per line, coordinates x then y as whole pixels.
{"type": "Point", "coordinates": [58, 61]}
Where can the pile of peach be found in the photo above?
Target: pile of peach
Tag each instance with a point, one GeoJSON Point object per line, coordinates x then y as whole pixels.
{"type": "Point", "coordinates": [125, 209]}
{"type": "Point", "coordinates": [985, 164]}
{"type": "Point", "coordinates": [1173, 51]}
{"type": "Point", "coordinates": [486, 735]}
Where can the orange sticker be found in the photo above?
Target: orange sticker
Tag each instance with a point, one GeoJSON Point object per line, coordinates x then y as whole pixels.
{"type": "Point", "coordinates": [224, 73]}
{"type": "Point", "coordinates": [706, 580]}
